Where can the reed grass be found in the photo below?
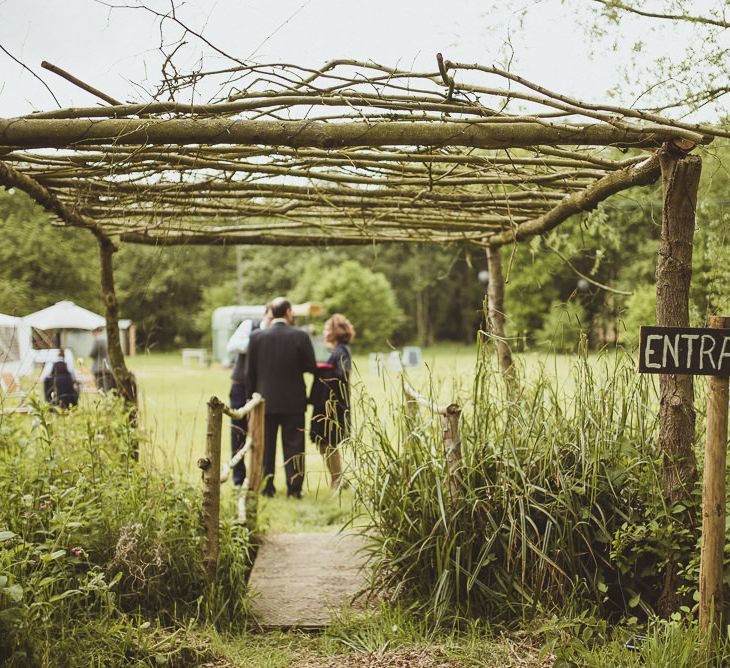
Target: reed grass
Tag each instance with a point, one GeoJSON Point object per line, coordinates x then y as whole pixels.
{"type": "Point", "coordinates": [559, 504]}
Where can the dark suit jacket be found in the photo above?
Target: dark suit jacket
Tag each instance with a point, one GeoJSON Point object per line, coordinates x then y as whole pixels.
{"type": "Point", "coordinates": [277, 358]}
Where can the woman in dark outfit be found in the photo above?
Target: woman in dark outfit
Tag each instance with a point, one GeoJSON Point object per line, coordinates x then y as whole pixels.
{"type": "Point", "coordinates": [330, 396]}
{"type": "Point", "coordinates": [60, 388]}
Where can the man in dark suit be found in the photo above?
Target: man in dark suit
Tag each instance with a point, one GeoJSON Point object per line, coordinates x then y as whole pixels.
{"type": "Point", "coordinates": [278, 356]}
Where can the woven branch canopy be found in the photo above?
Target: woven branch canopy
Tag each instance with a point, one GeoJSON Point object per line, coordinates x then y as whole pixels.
{"type": "Point", "coordinates": [351, 153]}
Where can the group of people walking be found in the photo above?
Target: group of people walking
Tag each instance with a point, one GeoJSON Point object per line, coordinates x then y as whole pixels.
{"type": "Point", "coordinates": [272, 357]}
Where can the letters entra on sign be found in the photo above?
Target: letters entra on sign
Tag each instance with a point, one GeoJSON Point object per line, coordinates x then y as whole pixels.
{"type": "Point", "coordinates": [685, 350]}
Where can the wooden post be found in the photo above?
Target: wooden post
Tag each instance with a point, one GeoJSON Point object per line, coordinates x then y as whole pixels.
{"type": "Point", "coordinates": [713, 500]}
{"type": "Point", "coordinates": [256, 462]}
{"type": "Point", "coordinates": [124, 379]}
{"type": "Point", "coordinates": [496, 318]}
{"type": "Point", "coordinates": [680, 180]}
{"type": "Point", "coordinates": [452, 447]}
{"type": "Point", "coordinates": [211, 467]}
{"type": "Point", "coordinates": [410, 411]}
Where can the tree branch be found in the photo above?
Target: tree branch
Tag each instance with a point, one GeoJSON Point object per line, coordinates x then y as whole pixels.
{"type": "Point", "coordinates": [614, 4]}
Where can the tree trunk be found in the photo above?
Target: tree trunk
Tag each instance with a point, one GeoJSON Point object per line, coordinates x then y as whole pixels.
{"type": "Point", "coordinates": [680, 179]}
{"type": "Point", "coordinates": [124, 379]}
{"type": "Point", "coordinates": [423, 324]}
{"type": "Point", "coordinates": [496, 318]}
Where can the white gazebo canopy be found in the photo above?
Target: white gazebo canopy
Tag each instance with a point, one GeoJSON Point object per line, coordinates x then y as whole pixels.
{"type": "Point", "coordinates": [65, 315]}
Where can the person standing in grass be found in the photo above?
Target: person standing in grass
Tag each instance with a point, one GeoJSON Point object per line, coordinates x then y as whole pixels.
{"type": "Point", "coordinates": [101, 366]}
{"type": "Point", "coordinates": [278, 358]}
{"type": "Point", "coordinates": [330, 396]}
{"type": "Point", "coordinates": [238, 344]}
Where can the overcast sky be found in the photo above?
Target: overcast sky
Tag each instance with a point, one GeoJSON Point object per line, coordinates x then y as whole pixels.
{"type": "Point", "coordinates": [117, 50]}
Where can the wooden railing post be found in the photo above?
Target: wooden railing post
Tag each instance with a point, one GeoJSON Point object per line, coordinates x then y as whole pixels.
{"type": "Point", "coordinates": [713, 501]}
{"type": "Point", "coordinates": [410, 409]}
{"type": "Point", "coordinates": [211, 467]}
{"type": "Point", "coordinates": [452, 447]}
{"type": "Point", "coordinates": [256, 463]}
{"type": "Point", "coordinates": [450, 415]}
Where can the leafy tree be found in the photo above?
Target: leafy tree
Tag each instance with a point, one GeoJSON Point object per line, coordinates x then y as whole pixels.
{"type": "Point", "coordinates": [41, 264]}
{"type": "Point", "coordinates": [161, 289]}
{"type": "Point", "coordinates": [364, 296]}
{"type": "Point", "coordinates": [694, 73]}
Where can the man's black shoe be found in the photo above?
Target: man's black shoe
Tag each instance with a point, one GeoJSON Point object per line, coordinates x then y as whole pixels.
{"type": "Point", "coordinates": [294, 495]}
{"type": "Point", "coordinates": [268, 492]}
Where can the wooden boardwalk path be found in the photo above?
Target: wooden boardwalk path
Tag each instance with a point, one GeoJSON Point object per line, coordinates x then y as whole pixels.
{"type": "Point", "coordinates": [299, 578]}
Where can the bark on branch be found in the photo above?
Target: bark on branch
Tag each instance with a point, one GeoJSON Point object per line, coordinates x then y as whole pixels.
{"type": "Point", "coordinates": [72, 133]}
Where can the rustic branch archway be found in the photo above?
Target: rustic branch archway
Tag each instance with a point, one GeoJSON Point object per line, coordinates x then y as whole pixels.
{"type": "Point", "coordinates": [352, 153]}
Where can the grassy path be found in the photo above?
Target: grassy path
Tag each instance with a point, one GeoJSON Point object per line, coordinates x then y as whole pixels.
{"type": "Point", "coordinates": [173, 400]}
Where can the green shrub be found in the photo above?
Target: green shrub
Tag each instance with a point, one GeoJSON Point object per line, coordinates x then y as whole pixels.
{"type": "Point", "coordinates": [559, 505]}
{"type": "Point", "coordinates": [364, 296]}
{"type": "Point", "coordinates": [100, 557]}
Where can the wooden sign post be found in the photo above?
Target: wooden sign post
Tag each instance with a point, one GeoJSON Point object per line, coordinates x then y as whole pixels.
{"type": "Point", "coordinates": [702, 351]}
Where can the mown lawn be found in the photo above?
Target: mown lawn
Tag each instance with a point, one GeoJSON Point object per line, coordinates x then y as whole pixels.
{"type": "Point", "coordinates": [173, 403]}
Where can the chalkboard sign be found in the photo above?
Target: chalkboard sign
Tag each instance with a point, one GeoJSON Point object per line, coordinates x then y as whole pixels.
{"type": "Point", "coordinates": [685, 350]}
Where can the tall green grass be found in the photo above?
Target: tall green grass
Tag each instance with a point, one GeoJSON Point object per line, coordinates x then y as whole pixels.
{"type": "Point", "coordinates": [559, 504]}
{"type": "Point", "coordinates": [100, 558]}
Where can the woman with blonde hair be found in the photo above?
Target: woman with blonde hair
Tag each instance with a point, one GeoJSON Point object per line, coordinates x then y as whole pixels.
{"type": "Point", "coordinates": [330, 396]}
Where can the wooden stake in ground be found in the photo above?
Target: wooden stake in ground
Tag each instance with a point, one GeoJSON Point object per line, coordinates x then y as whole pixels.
{"type": "Point", "coordinates": [452, 448]}
{"type": "Point", "coordinates": [713, 500]}
{"type": "Point", "coordinates": [496, 318]}
{"type": "Point", "coordinates": [211, 467]}
{"type": "Point", "coordinates": [256, 463]}
{"type": "Point", "coordinates": [680, 179]}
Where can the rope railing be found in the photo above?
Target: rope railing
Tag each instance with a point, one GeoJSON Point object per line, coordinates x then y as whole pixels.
{"type": "Point", "coordinates": [450, 414]}
{"type": "Point", "coordinates": [240, 413]}
{"type": "Point", "coordinates": [214, 473]}
{"type": "Point", "coordinates": [413, 395]}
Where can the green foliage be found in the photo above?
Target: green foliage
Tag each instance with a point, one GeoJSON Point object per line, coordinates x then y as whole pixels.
{"type": "Point", "coordinates": [559, 502]}
{"type": "Point", "coordinates": [364, 296]}
{"type": "Point", "coordinates": [593, 643]}
{"type": "Point", "coordinates": [41, 264]}
{"type": "Point", "coordinates": [640, 310]}
{"type": "Point", "coordinates": [214, 296]}
{"type": "Point", "coordinates": [563, 326]}
{"type": "Point", "coordinates": [100, 559]}
{"type": "Point", "coordinates": [161, 290]}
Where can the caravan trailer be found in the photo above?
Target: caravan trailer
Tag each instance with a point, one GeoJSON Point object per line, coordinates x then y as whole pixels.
{"type": "Point", "coordinates": [226, 319]}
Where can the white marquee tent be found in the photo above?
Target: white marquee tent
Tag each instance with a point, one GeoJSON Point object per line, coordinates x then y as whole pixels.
{"type": "Point", "coordinates": [16, 346]}
{"type": "Point", "coordinates": [65, 315]}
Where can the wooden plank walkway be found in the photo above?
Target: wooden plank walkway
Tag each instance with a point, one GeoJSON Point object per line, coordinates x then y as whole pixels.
{"type": "Point", "coordinates": [299, 578]}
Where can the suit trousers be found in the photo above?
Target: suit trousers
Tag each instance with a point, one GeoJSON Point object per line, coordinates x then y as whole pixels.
{"type": "Point", "coordinates": [292, 438]}
{"type": "Point", "coordinates": [239, 429]}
